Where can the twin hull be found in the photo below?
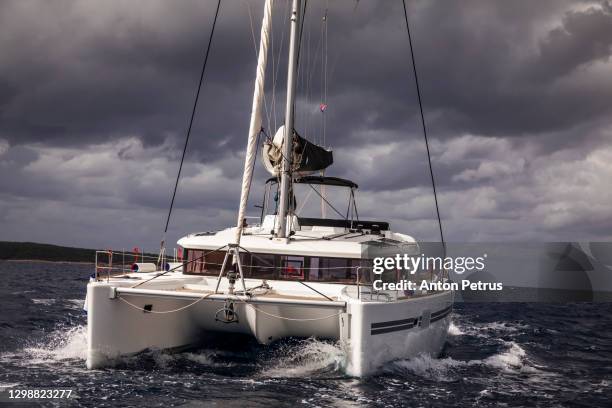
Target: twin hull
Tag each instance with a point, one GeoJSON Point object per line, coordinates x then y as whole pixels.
{"type": "Point", "coordinates": [371, 333]}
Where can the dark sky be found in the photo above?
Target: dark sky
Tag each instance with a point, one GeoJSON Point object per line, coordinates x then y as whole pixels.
{"type": "Point", "coordinates": [95, 99]}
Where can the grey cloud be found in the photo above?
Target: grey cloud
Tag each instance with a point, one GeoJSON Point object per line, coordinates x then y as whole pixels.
{"type": "Point", "coordinates": [583, 38]}
{"type": "Point", "coordinates": [95, 98]}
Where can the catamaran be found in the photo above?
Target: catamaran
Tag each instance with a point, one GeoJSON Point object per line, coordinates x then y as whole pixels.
{"type": "Point", "coordinates": [286, 275]}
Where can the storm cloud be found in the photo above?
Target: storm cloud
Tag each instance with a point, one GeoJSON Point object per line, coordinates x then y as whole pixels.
{"type": "Point", "coordinates": [95, 98]}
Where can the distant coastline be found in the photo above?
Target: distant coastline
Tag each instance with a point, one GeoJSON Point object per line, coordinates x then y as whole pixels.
{"type": "Point", "coordinates": [44, 261]}
{"type": "Point", "coordinates": [38, 252]}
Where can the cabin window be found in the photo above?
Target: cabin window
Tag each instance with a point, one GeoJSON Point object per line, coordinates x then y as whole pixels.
{"type": "Point", "coordinates": [262, 266]}
{"type": "Point", "coordinates": [199, 263]}
{"type": "Point", "coordinates": [292, 267]}
{"type": "Point", "coordinates": [268, 266]}
{"type": "Point", "coordinates": [334, 269]}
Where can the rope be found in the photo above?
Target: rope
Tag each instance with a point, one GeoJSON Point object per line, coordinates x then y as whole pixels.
{"type": "Point", "coordinates": [164, 311]}
{"type": "Point", "coordinates": [342, 50]}
{"type": "Point", "coordinates": [299, 42]}
{"type": "Point", "coordinates": [416, 80]}
{"type": "Point", "coordinates": [324, 73]}
{"type": "Point", "coordinates": [276, 67]}
{"type": "Point", "coordinates": [292, 318]}
{"type": "Point", "coordinates": [193, 111]}
{"type": "Point", "coordinates": [257, 150]}
{"type": "Point", "coordinates": [177, 267]}
{"type": "Point", "coordinates": [328, 203]}
{"type": "Point", "coordinates": [248, 304]}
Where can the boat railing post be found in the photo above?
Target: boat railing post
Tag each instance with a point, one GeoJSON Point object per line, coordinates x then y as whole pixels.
{"type": "Point", "coordinates": [222, 270]}
{"type": "Point", "coordinates": [358, 282]}
{"type": "Point", "coordinates": [110, 264]}
{"type": "Point", "coordinates": [239, 263]}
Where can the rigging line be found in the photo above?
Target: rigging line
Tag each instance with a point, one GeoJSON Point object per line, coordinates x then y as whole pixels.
{"type": "Point", "coordinates": [303, 204]}
{"type": "Point", "coordinates": [307, 116]}
{"type": "Point", "coordinates": [267, 114]}
{"type": "Point", "coordinates": [164, 311]}
{"type": "Point", "coordinates": [323, 23]}
{"type": "Point", "coordinates": [195, 105]}
{"type": "Point", "coordinates": [328, 203]}
{"type": "Point", "coordinates": [278, 64]}
{"type": "Point", "coordinates": [198, 300]}
{"type": "Point", "coordinates": [272, 102]}
{"type": "Point", "coordinates": [313, 66]}
{"type": "Point", "coordinates": [314, 290]}
{"type": "Point", "coordinates": [309, 287]}
{"type": "Point", "coordinates": [293, 319]}
{"type": "Point", "coordinates": [337, 56]}
{"type": "Point", "coordinates": [324, 69]}
{"type": "Point", "coordinates": [177, 267]}
{"type": "Point", "coordinates": [256, 150]}
{"type": "Point", "coordinates": [299, 48]}
{"type": "Point", "coordinates": [315, 190]}
{"type": "Point", "coordinates": [416, 80]}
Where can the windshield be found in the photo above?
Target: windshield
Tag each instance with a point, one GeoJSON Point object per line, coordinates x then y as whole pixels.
{"type": "Point", "coordinates": [314, 200]}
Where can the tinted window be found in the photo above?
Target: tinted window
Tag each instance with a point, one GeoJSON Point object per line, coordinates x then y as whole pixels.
{"type": "Point", "coordinates": [268, 266]}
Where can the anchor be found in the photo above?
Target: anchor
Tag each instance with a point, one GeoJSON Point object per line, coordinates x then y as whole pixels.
{"type": "Point", "coordinates": [229, 314]}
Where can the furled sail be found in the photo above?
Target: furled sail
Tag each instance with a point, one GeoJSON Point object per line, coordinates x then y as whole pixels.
{"type": "Point", "coordinates": [308, 158]}
{"type": "Point", "coordinates": [255, 123]}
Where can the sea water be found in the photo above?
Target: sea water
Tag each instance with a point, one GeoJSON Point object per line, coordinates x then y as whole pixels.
{"type": "Point", "coordinates": [509, 354]}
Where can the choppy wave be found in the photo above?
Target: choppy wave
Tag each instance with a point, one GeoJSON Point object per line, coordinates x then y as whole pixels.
{"type": "Point", "coordinates": [60, 345]}
{"type": "Point", "coordinates": [454, 330]}
{"type": "Point", "coordinates": [6, 386]}
{"type": "Point", "coordinates": [306, 358]}
{"type": "Point", "coordinates": [76, 304]}
{"type": "Point", "coordinates": [295, 360]}
{"type": "Point", "coordinates": [511, 359]}
{"type": "Point", "coordinates": [45, 302]}
{"type": "Point", "coordinates": [64, 344]}
{"type": "Point", "coordinates": [496, 354]}
{"type": "Point", "coordinates": [427, 367]}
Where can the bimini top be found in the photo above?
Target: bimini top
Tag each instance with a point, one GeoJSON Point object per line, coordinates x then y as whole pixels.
{"type": "Point", "coordinates": [328, 181]}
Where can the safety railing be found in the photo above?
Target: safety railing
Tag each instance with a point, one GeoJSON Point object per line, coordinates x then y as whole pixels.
{"type": "Point", "coordinates": [109, 263]}
{"type": "Point", "coordinates": [101, 267]}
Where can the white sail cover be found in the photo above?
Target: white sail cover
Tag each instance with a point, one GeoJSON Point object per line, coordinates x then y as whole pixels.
{"type": "Point", "coordinates": [308, 158]}
{"type": "Point", "coordinates": [255, 125]}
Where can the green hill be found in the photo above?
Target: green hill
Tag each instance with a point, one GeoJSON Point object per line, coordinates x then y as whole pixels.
{"type": "Point", "coordinates": [47, 252]}
{"type": "Point", "coordinates": [44, 252]}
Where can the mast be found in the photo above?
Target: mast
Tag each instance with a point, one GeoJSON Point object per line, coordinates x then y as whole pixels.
{"type": "Point", "coordinates": [255, 124]}
{"type": "Point", "coordinates": [285, 189]}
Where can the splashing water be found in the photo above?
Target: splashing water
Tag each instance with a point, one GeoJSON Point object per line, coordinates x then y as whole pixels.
{"type": "Point", "coordinates": [510, 359]}
{"type": "Point", "coordinates": [307, 358]}
{"type": "Point", "coordinates": [454, 330]}
{"type": "Point", "coordinates": [66, 344]}
{"type": "Point", "coordinates": [428, 367]}
{"type": "Point", "coordinates": [496, 354]}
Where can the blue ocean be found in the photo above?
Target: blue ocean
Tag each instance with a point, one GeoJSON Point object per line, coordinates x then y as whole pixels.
{"type": "Point", "coordinates": [497, 354]}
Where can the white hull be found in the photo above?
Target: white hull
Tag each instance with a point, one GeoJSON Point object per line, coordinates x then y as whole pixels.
{"type": "Point", "coordinates": [372, 332]}
{"type": "Point", "coordinates": [295, 254]}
